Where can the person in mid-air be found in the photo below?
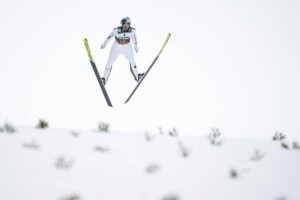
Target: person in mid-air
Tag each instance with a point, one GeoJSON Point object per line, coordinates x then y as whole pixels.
{"type": "Point", "coordinates": [124, 36]}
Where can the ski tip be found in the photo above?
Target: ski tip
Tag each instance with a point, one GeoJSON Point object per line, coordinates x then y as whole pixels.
{"type": "Point", "coordinates": [169, 35]}
{"type": "Point", "coordinates": [85, 41]}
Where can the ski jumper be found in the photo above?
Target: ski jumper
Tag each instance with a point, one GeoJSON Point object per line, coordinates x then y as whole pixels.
{"type": "Point", "coordinates": [122, 45]}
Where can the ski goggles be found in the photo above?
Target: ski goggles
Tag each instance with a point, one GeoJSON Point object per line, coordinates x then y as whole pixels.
{"type": "Point", "coordinates": [124, 21]}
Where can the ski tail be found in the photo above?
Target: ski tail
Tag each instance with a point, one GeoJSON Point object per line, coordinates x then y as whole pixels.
{"type": "Point", "coordinates": [86, 44]}
{"type": "Point", "coordinates": [161, 50]}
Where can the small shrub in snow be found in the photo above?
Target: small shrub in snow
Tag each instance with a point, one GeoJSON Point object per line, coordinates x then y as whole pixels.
{"type": "Point", "coordinates": [257, 156]}
{"type": "Point", "coordinates": [173, 132]}
{"type": "Point", "coordinates": [278, 136]}
{"type": "Point", "coordinates": [184, 151]}
{"type": "Point", "coordinates": [171, 197]}
{"type": "Point", "coordinates": [296, 145]}
{"type": "Point", "coordinates": [290, 145]}
{"type": "Point", "coordinates": [103, 127]}
{"type": "Point", "coordinates": [71, 197]}
{"type": "Point", "coordinates": [148, 136]}
{"type": "Point", "coordinates": [8, 128]}
{"type": "Point", "coordinates": [215, 137]}
{"type": "Point", "coordinates": [101, 148]}
{"type": "Point", "coordinates": [32, 145]}
{"type": "Point", "coordinates": [75, 134]}
{"type": "Point", "coordinates": [285, 145]}
{"type": "Point", "coordinates": [160, 130]}
{"type": "Point", "coordinates": [63, 163]}
{"type": "Point", "coordinates": [233, 173]}
{"type": "Point", "coordinates": [151, 168]}
{"type": "Point", "coordinates": [281, 198]}
{"type": "Point", "coordinates": [42, 124]}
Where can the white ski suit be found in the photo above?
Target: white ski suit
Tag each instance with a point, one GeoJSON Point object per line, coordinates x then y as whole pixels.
{"type": "Point", "coordinates": [121, 45]}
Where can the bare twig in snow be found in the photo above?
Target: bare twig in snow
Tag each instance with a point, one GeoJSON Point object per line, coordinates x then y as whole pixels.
{"type": "Point", "coordinates": [151, 168]}
{"type": "Point", "coordinates": [184, 151]}
{"type": "Point", "coordinates": [257, 155]}
{"type": "Point", "coordinates": [63, 163]}
{"type": "Point", "coordinates": [71, 197]}
{"type": "Point", "coordinates": [101, 148]}
{"type": "Point", "coordinates": [32, 144]}
{"type": "Point", "coordinates": [171, 197]}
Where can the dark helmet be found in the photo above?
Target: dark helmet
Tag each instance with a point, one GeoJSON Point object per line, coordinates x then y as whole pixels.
{"type": "Point", "coordinates": [126, 20]}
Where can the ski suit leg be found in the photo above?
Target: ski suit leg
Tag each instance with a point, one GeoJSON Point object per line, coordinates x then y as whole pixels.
{"type": "Point", "coordinates": [130, 57]}
{"type": "Point", "coordinates": [114, 53]}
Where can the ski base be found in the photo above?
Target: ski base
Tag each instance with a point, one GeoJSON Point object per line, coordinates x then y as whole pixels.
{"type": "Point", "coordinates": [149, 68]}
{"type": "Point", "coordinates": [97, 73]}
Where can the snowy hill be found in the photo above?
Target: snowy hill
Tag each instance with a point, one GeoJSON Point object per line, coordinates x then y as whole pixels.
{"type": "Point", "coordinates": [48, 164]}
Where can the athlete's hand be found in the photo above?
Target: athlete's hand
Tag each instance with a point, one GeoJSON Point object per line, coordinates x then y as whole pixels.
{"type": "Point", "coordinates": [103, 46]}
{"type": "Point", "coordinates": [136, 49]}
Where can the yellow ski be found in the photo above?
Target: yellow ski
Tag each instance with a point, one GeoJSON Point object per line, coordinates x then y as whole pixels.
{"type": "Point", "coordinates": [96, 72]}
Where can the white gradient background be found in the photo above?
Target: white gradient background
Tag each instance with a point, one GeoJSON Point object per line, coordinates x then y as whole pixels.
{"type": "Point", "coordinates": [229, 64]}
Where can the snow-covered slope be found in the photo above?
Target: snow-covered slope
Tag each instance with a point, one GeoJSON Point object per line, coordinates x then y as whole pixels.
{"type": "Point", "coordinates": [53, 164]}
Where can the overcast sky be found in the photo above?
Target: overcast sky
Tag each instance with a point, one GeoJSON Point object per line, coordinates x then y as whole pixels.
{"type": "Point", "coordinates": [229, 64]}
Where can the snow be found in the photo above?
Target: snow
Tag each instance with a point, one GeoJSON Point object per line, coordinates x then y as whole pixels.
{"type": "Point", "coordinates": [53, 164]}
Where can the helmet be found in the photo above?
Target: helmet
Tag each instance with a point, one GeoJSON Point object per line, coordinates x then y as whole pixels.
{"type": "Point", "coordinates": [126, 20]}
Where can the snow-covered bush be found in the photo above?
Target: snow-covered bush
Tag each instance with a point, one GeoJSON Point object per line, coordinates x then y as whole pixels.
{"type": "Point", "coordinates": [279, 136]}
{"type": "Point", "coordinates": [173, 132]}
{"type": "Point", "coordinates": [103, 127]}
{"type": "Point", "coordinates": [63, 163]}
{"type": "Point", "coordinates": [290, 145]}
{"type": "Point", "coordinates": [215, 137]}
{"type": "Point", "coordinates": [8, 128]}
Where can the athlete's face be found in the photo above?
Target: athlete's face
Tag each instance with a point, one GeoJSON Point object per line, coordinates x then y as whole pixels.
{"type": "Point", "coordinates": [125, 27]}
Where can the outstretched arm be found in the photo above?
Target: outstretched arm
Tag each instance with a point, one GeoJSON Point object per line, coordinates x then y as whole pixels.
{"type": "Point", "coordinates": [134, 41]}
{"type": "Point", "coordinates": [111, 35]}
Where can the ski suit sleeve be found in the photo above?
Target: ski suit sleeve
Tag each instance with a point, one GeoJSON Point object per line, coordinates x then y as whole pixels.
{"type": "Point", "coordinates": [110, 36]}
{"type": "Point", "coordinates": [134, 41]}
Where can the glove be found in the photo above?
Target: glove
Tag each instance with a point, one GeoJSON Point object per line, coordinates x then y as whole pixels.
{"type": "Point", "coordinates": [136, 49]}
{"type": "Point", "coordinates": [103, 46]}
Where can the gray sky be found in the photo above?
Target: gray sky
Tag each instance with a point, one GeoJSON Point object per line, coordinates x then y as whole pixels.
{"type": "Point", "coordinates": [228, 64]}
